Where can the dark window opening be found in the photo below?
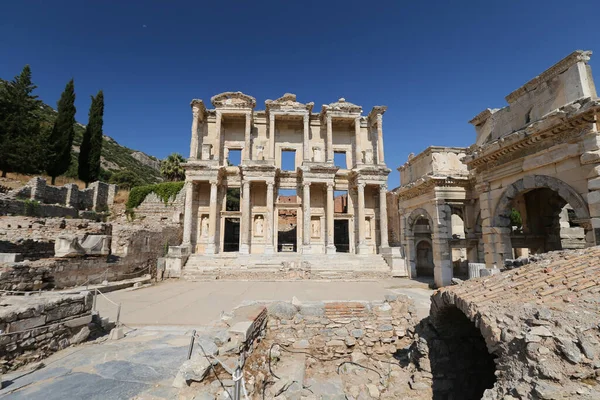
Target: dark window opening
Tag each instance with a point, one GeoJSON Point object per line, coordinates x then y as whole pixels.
{"type": "Point", "coordinates": [341, 236]}
{"type": "Point", "coordinates": [231, 239]}
{"type": "Point", "coordinates": [287, 231]}
{"type": "Point", "coordinates": [233, 199]}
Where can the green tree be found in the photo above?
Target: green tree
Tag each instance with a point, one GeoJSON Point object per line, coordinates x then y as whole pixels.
{"type": "Point", "coordinates": [60, 140]}
{"type": "Point", "coordinates": [20, 138]}
{"type": "Point", "coordinates": [515, 218]}
{"type": "Point", "coordinates": [91, 145]}
{"type": "Point", "coordinates": [126, 179]}
{"type": "Point", "coordinates": [172, 169]}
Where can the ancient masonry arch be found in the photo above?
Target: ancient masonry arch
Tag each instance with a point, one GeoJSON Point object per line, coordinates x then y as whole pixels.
{"type": "Point", "coordinates": [411, 243]}
{"type": "Point", "coordinates": [501, 217]}
{"type": "Point", "coordinates": [415, 215]}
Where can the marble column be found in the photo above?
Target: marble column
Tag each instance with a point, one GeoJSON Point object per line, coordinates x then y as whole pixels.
{"type": "Point", "coordinates": [187, 216]}
{"type": "Point", "coordinates": [330, 218]}
{"type": "Point", "coordinates": [247, 133]}
{"type": "Point", "coordinates": [245, 225]}
{"type": "Point", "coordinates": [442, 254]}
{"type": "Point", "coordinates": [306, 218]}
{"type": "Point", "coordinates": [357, 146]}
{"type": "Point", "coordinates": [329, 140]}
{"type": "Point", "coordinates": [194, 142]}
{"type": "Point", "coordinates": [217, 148]}
{"type": "Point", "coordinates": [269, 247]}
{"type": "Point", "coordinates": [305, 148]}
{"type": "Point", "coordinates": [362, 245]}
{"type": "Point", "coordinates": [272, 136]}
{"type": "Point", "coordinates": [380, 156]}
{"type": "Point", "coordinates": [383, 222]}
{"type": "Point", "coordinates": [212, 219]}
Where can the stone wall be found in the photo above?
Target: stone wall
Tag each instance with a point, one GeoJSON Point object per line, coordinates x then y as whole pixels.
{"type": "Point", "coordinates": [34, 327]}
{"type": "Point", "coordinates": [34, 237]}
{"type": "Point", "coordinates": [99, 196]}
{"type": "Point", "coordinates": [155, 208]}
{"type": "Point", "coordinates": [331, 329]}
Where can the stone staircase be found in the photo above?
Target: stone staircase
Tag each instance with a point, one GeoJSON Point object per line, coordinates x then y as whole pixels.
{"type": "Point", "coordinates": [339, 266]}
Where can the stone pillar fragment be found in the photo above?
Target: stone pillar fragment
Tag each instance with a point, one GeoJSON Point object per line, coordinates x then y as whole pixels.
{"type": "Point", "coordinates": [212, 219]}
{"type": "Point", "coordinates": [217, 148]}
{"type": "Point", "coordinates": [269, 247]}
{"type": "Point", "coordinates": [194, 141]}
{"type": "Point", "coordinates": [357, 142]}
{"type": "Point", "coordinates": [306, 140]}
{"type": "Point", "coordinates": [306, 218]}
{"type": "Point", "coordinates": [362, 245]}
{"type": "Point", "coordinates": [188, 217]}
{"type": "Point", "coordinates": [272, 136]}
{"type": "Point", "coordinates": [245, 225]}
{"type": "Point", "coordinates": [329, 140]}
{"type": "Point", "coordinates": [380, 155]}
{"type": "Point", "coordinates": [247, 134]}
{"type": "Point", "coordinates": [383, 222]}
{"type": "Point", "coordinates": [330, 219]}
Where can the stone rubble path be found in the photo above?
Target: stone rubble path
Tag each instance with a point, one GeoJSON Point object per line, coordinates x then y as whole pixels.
{"type": "Point", "coordinates": [144, 363]}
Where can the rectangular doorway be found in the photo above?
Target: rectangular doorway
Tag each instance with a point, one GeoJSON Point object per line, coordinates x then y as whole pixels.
{"type": "Point", "coordinates": [287, 231]}
{"type": "Point", "coordinates": [231, 236]}
{"type": "Point", "coordinates": [341, 235]}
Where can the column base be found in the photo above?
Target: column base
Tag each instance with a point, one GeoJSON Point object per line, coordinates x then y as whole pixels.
{"type": "Point", "coordinates": [244, 249]}
{"type": "Point", "coordinates": [384, 249]}
{"type": "Point", "coordinates": [330, 249]}
{"type": "Point", "coordinates": [269, 250]}
{"type": "Point", "coordinates": [362, 249]}
{"type": "Point", "coordinates": [210, 249]}
{"type": "Point", "coordinates": [306, 249]}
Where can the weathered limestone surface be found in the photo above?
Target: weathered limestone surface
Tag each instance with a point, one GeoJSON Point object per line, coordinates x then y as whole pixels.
{"type": "Point", "coordinates": [33, 327]}
{"type": "Point", "coordinates": [534, 157]}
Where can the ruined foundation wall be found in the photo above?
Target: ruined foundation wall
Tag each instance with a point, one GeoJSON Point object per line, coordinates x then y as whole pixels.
{"type": "Point", "coordinates": [34, 327]}
{"type": "Point", "coordinates": [328, 329]}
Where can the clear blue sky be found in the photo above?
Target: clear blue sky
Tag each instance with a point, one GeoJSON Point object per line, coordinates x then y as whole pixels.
{"type": "Point", "coordinates": [435, 64]}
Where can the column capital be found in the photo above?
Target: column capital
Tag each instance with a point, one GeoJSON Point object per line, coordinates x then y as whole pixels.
{"type": "Point", "coordinates": [328, 118]}
{"type": "Point", "coordinates": [213, 182]}
{"type": "Point", "coordinates": [306, 117]}
{"type": "Point", "coordinates": [330, 185]}
{"type": "Point", "coordinates": [305, 184]}
{"type": "Point", "coordinates": [379, 118]}
{"type": "Point", "coordinates": [383, 187]}
{"type": "Point", "coordinates": [271, 117]}
{"type": "Point", "coordinates": [270, 185]}
{"type": "Point", "coordinates": [361, 185]}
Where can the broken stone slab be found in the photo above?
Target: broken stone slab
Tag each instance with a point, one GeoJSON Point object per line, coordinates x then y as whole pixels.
{"type": "Point", "coordinates": [116, 333]}
{"type": "Point", "coordinates": [11, 257]}
{"type": "Point", "coordinates": [191, 370]}
{"type": "Point", "coordinates": [68, 246]}
{"type": "Point", "coordinates": [291, 372]}
{"type": "Point", "coordinates": [327, 387]}
{"type": "Point", "coordinates": [282, 310]}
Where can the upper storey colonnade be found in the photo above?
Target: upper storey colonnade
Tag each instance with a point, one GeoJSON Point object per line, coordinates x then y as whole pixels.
{"type": "Point", "coordinates": [285, 125]}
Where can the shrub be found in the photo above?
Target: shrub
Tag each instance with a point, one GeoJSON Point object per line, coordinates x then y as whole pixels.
{"type": "Point", "coordinates": [32, 208]}
{"type": "Point", "coordinates": [165, 191]}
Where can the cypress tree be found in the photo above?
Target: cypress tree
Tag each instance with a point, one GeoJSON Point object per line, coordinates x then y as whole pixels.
{"type": "Point", "coordinates": [19, 125]}
{"type": "Point", "coordinates": [60, 139]}
{"type": "Point", "coordinates": [91, 146]}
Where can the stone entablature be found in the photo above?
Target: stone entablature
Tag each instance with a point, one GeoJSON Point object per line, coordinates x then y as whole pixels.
{"type": "Point", "coordinates": [435, 161]}
{"type": "Point", "coordinates": [568, 81]}
{"type": "Point", "coordinates": [262, 137]}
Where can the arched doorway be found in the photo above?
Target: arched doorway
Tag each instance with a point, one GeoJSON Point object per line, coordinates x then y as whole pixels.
{"type": "Point", "coordinates": [424, 258]}
{"type": "Point", "coordinates": [529, 216]}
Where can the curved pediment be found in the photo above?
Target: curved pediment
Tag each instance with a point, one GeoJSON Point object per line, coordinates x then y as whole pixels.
{"type": "Point", "coordinates": [342, 106]}
{"type": "Point", "coordinates": [288, 102]}
{"type": "Point", "coordinates": [233, 100]}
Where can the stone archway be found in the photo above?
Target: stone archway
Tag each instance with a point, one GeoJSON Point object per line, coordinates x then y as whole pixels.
{"type": "Point", "coordinates": [412, 237]}
{"type": "Point", "coordinates": [500, 242]}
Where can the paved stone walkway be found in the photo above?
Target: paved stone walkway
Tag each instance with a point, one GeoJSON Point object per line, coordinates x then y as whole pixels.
{"type": "Point", "coordinates": [195, 303]}
{"type": "Point", "coordinates": [144, 363]}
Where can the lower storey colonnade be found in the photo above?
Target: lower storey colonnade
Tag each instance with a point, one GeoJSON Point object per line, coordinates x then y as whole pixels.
{"type": "Point", "coordinates": [262, 217]}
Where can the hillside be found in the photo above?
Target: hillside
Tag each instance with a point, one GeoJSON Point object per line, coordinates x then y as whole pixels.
{"type": "Point", "coordinates": [114, 156]}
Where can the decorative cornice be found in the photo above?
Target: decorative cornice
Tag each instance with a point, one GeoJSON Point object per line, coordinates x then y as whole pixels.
{"type": "Point", "coordinates": [341, 106]}
{"type": "Point", "coordinates": [428, 183]}
{"type": "Point", "coordinates": [483, 116]}
{"type": "Point", "coordinates": [375, 111]}
{"type": "Point", "coordinates": [556, 69]}
{"type": "Point", "coordinates": [233, 100]}
{"type": "Point", "coordinates": [198, 107]}
{"type": "Point", "coordinates": [562, 125]}
{"type": "Point", "coordinates": [431, 149]}
{"type": "Point", "coordinates": [288, 102]}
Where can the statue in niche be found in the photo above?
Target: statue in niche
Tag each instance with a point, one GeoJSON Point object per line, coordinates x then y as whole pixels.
{"type": "Point", "coordinates": [368, 227]}
{"type": "Point", "coordinates": [259, 226]}
{"type": "Point", "coordinates": [317, 154]}
{"type": "Point", "coordinates": [315, 228]}
{"type": "Point", "coordinates": [260, 152]}
{"type": "Point", "coordinates": [368, 156]}
{"type": "Point", "coordinates": [204, 226]}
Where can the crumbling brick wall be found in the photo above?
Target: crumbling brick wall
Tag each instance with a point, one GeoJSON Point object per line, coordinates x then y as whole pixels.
{"type": "Point", "coordinates": [328, 329]}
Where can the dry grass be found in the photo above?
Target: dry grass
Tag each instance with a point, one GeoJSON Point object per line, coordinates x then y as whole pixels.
{"type": "Point", "coordinates": [121, 196]}
{"type": "Point", "coordinates": [14, 180]}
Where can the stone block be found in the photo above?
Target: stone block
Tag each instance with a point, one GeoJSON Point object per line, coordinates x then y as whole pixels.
{"type": "Point", "coordinates": [68, 246]}
{"type": "Point", "coordinates": [594, 184]}
{"type": "Point", "coordinates": [282, 310]}
{"type": "Point", "coordinates": [116, 333]}
{"type": "Point", "coordinates": [75, 322]}
{"type": "Point", "coordinates": [590, 157]}
{"type": "Point", "coordinates": [10, 257]}
{"type": "Point", "coordinates": [25, 324]}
